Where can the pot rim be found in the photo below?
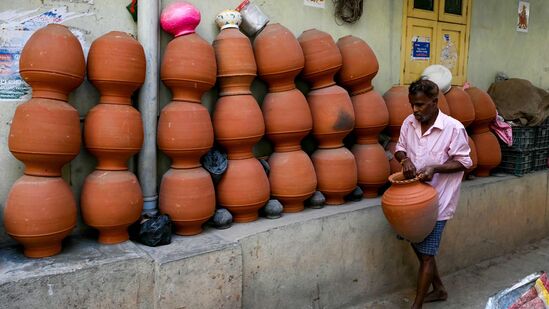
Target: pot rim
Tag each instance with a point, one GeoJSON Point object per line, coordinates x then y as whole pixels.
{"type": "Point", "coordinates": [398, 178]}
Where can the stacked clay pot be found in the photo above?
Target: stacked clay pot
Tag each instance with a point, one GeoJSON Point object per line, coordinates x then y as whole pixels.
{"type": "Point", "coordinates": [359, 68]}
{"type": "Point", "coordinates": [238, 122]}
{"type": "Point", "coordinates": [410, 206]}
{"type": "Point", "coordinates": [488, 150]}
{"type": "Point", "coordinates": [333, 116]}
{"type": "Point", "coordinates": [287, 116]}
{"type": "Point", "coordinates": [113, 132]}
{"type": "Point", "coordinates": [45, 134]}
{"type": "Point", "coordinates": [462, 109]}
{"type": "Point", "coordinates": [185, 131]}
{"type": "Point", "coordinates": [399, 108]}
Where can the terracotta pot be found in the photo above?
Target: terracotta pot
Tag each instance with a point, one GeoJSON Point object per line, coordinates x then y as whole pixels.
{"type": "Point", "coordinates": [40, 212]}
{"type": "Point", "coordinates": [442, 104]}
{"type": "Point", "coordinates": [116, 67]}
{"type": "Point", "coordinates": [188, 197]}
{"type": "Point", "coordinates": [411, 207]}
{"type": "Point", "coordinates": [52, 62]}
{"type": "Point", "coordinates": [185, 133]}
{"type": "Point", "coordinates": [188, 67]}
{"type": "Point", "coordinates": [244, 189]}
{"type": "Point", "coordinates": [287, 119]}
{"type": "Point", "coordinates": [238, 125]}
{"type": "Point", "coordinates": [113, 133]}
{"type": "Point", "coordinates": [461, 107]}
{"type": "Point", "coordinates": [45, 135]}
{"type": "Point", "coordinates": [292, 178]}
{"type": "Point", "coordinates": [485, 109]}
{"type": "Point", "coordinates": [278, 69]}
{"type": "Point", "coordinates": [488, 152]}
{"type": "Point", "coordinates": [322, 58]}
{"type": "Point", "coordinates": [360, 65]}
{"type": "Point", "coordinates": [371, 115]}
{"type": "Point", "coordinates": [111, 201]}
{"type": "Point", "coordinates": [333, 115]}
{"type": "Point", "coordinates": [399, 108]}
{"type": "Point", "coordinates": [236, 67]}
{"type": "Point", "coordinates": [372, 166]}
{"type": "Point", "coordinates": [473, 155]}
{"type": "Point", "coordinates": [393, 163]}
{"type": "Point", "coordinates": [336, 173]}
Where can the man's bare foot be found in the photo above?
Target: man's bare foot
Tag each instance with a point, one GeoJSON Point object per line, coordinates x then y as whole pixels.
{"type": "Point", "coordinates": [438, 295]}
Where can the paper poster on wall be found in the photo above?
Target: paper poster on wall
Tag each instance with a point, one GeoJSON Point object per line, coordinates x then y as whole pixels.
{"type": "Point", "coordinates": [523, 16]}
{"type": "Point", "coordinates": [16, 27]}
{"type": "Point", "coordinates": [314, 3]}
{"type": "Point", "coordinates": [421, 48]}
{"type": "Point", "coordinates": [449, 53]}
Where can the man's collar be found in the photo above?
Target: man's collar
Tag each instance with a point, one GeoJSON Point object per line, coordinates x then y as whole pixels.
{"type": "Point", "coordinates": [439, 122]}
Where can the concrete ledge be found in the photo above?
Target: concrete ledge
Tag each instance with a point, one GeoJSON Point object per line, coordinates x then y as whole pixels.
{"type": "Point", "coordinates": [332, 257]}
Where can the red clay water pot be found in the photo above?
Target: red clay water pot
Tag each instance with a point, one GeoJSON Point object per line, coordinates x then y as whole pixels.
{"type": "Point", "coordinates": [45, 135]}
{"type": "Point", "coordinates": [485, 109]}
{"type": "Point", "coordinates": [116, 67]}
{"type": "Point", "coordinates": [372, 167]}
{"type": "Point", "coordinates": [113, 133]}
{"type": "Point", "coordinates": [244, 189]}
{"type": "Point", "coordinates": [188, 67]}
{"type": "Point", "coordinates": [287, 119]}
{"type": "Point", "coordinates": [443, 104]}
{"type": "Point", "coordinates": [359, 67]}
{"type": "Point", "coordinates": [111, 201]}
{"type": "Point", "coordinates": [188, 197]}
{"type": "Point", "coordinates": [461, 106]}
{"type": "Point", "coordinates": [40, 212]}
{"type": "Point", "coordinates": [488, 152]}
{"type": "Point", "coordinates": [333, 115]}
{"type": "Point", "coordinates": [292, 179]}
{"type": "Point", "coordinates": [411, 207]}
{"type": "Point", "coordinates": [371, 115]}
{"type": "Point", "coordinates": [52, 62]}
{"type": "Point", "coordinates": [399, 108]}
{"type": "Point", "coordinates": [238, 125]}
{"type": "Point", "coordinates": [322, 58]}
{"type": "Point", "coordinates": [185, 133]}
{"type": "Point", "coordinates": [236, 68]}
{"type": "Point", "coordinates": [278, 69]}
{"type": "Point", "coordinates": [336, 173]}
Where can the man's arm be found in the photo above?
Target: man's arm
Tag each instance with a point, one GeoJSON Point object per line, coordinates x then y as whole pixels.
{"type": "Point", "coordinates": [408, 168]}
{"type": "Point", "coordinates": [450, 166]}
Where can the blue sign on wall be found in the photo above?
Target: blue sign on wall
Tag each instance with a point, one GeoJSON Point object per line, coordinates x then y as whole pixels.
{"type": "Point", "coordinates": [421, 50]}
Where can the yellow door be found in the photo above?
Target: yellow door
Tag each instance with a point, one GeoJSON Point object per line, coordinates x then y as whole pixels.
{"type": "Point", "coordinates": [426, 9]}
{"type": "Point", "coordinates": [419, 47]}
{"type": "Point", "coordinates": [451, 51]}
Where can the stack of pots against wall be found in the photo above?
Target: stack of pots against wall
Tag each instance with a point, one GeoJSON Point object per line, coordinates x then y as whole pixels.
{"type": "Point", "coordinates": [113, 132]}
{"type": "Point", "coordinates": [333, 116]}
{"type": "Point", "coordinates": [185, 131]}
{"type": "Point", "coordinates": [45, 134]}
{"type": "Point", "coordinates": [238, 122]}
{"type": "Point", "coordinates": [399, 108]}
{"type": "Point", "coordinates": [360, 66]}
{"type": "Point", "coordinates": [287, 116]}
{"type": "Point", "coordinates": [462, 109]}
{"type": "Point", "coordinates": [488, 150]}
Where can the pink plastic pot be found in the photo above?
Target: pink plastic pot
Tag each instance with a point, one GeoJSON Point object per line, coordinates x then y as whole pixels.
{"type": "Point", "coordinates": [180, 18]}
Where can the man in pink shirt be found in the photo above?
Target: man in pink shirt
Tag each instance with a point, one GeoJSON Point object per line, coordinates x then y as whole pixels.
{"type": "Point", "coordinates": [432, 146]}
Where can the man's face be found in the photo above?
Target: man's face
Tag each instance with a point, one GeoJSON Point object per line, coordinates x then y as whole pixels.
{"type": "Point", "coordinates": [424, 108]}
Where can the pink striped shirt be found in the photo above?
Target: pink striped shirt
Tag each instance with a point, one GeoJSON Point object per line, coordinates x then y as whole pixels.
{"type": "Point", "coordinates": [446, 139]}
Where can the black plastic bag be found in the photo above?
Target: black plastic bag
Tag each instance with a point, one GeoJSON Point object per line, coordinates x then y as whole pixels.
{"type": "Point", "coordinates": [216, 163]}
{"type": "Point", "coordinates": [153, 231]}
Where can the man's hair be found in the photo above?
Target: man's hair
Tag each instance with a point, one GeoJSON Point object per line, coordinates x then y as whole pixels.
{"type": "Point", "coordinates": [427, 87]}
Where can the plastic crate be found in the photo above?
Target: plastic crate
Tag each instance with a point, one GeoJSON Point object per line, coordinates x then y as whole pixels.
{"type": "Point", "coordinates": [523, 139]}
{"type": "Point", "coordinates": [542, 138]}
{"type": "Point", "coordinates": [517, 163]}
{"type": "Point", "coordinates": [540, 158]}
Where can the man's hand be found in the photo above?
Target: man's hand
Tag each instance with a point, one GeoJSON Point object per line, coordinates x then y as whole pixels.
{"type": "Point", "coordinates": [408, 168]}
{"type": "Point", "coordinates": [427, 173]}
